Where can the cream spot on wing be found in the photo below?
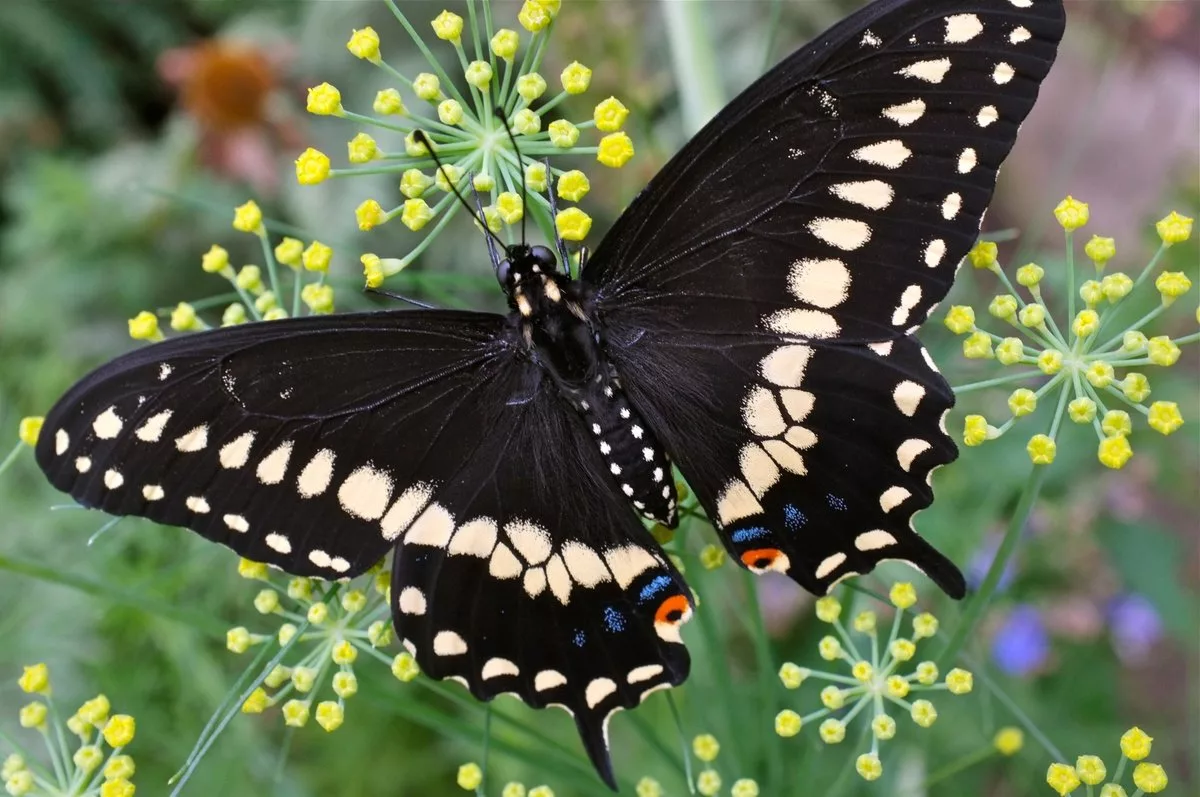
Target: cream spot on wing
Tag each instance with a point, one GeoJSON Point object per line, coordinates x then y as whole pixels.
{"type": "Point", "coordinates": [598, 690]}
{"type": "Point", "coordinates": [788, 458]}
{"type": "Point", "coordinates": [548, 679]}
{"type": "Point", "coordinates": [758, 469]}
{"type": "Point", "coordinates": [785, 365]}
{"type": "Point", "coordinates": [829, 564]}
{"type": "Point", "coordinates": [736, 501]}
{"type": "Point", "coordinates": [908, 395]}
{"type": "Point", "coordinates": [152, 429]}
{"type": "Point", "coordinates": [236, 452]}
{"type": "Point", "coordinates": [164, 370]}
{"type": "Point", "coordinates": [821, 283]}
{"type": "Point", "coordinates": [153, 492]}
{"type": "Point", "coordinates": [412, 601]}
{"type": "Point", "coordinates": [910, 450]}
{"type": "Point", "coordinates": [194, 440]}
{"type": "Point", "coordinates": [812, 324]}
{"type": "Point", "coordinates": [531, 540]}
{"type": "Point", "coordinates": [762, 414]}
{"type": "Point", "coordinates": [113, 479]}
{"type": "Point", "coordinates": [237, 523]}
{"type": "Point", "coordinates": [433, 527]}
{"type": "Point", "coordinates": [339, 564]}
{"type": "Point", "coordinates": [197, 504]}
{"type": "Point", "coordinates": [935, 252]}
{"type": "Point", "coordinates": [405, 509]}
{"type": "Point", "coordinates": [497, 667]}
{"type": "Point", "coordinates": [889, 154]}
{"type": "Point", "coordinates": [798, 403]}
{"type": "Point", "coordinates": [869, 39]}
{"type": "Point", "coordinates": [906, 113]}
{"type": "Point", "coordinates": [931, 71]}
{"type": "Point", "coordinates": [962, 28]}
{"type": "Point", "coordinates": [845, 234]}
{"type": "Point", "coordinates": [475, 538]}
{"type": "Point", "coordinates": [800, 437]}
{"type": "Point", "coordinates": [929, 360]}
{"type": "Point", "coordinates": [278, 542]}
{"type": "Point", "coordinates": [1019, 35]}
{"type": "Point", "coordinates": [908, 300]}
{"type": "Point", "coordinates": [61, 441]}
{"type": "Point", "coordinates": [628, 562]}
{"type": "Point", "coordinates": [873, 540]}
{"type": "Point", "coordinates": [317, 474]}
{"type": "Point", "coordinates": [883, 349]}
{"type": "Point", "coordinates": [560, 580]}
{"type": "Point", "coordinates": [534, 581]}
{"type": "Point", "coordinates": [951, 205]}
{"type": "Point", "coordinates": [107, 424]}
{"type": "Point", "coordinates": [1003, 73]}
{"type": "Point", "coordinates": [83, 464]}
{"type": "Point", "coordinates": [448, 643]}
{"type": "Point", "coordinates": [1021, 3]}
{"type": "Point", "coordinates": [503, 563]}
{"type": "Point", "coordinates": [644, 673]}
{"type": "Point", "coordinates": [273, 467]}
{"type": "Point", "coordinates": [636, 431]}
{"type": "Point", "coordinates": [987, 115]}
{"type": "Point", "coordinates": [872, 194]}
{"type": "Point", "coordinates": [584, 564]}
{"type": "Point", "coordinates": [365, 493]}
{"type": "Point", "coordinates": [893, 497]}
{"type": "Point", "coordinates": [967, 161]}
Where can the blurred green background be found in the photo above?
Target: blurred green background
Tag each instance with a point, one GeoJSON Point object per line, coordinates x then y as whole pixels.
{"type": "Point", "coordinates": [129, 130]}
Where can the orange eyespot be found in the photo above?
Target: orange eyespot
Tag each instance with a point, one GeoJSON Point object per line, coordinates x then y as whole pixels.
{"type": "Point", "coordinates": [672, 610]}
{"type": "Point", "coordinates": [760, 559]}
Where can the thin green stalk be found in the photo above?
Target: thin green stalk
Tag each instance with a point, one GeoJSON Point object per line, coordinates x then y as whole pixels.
{"type": "Point", "coordinates": [694, 60]}
{"type": "Point", "coordinates": [766, 673]}
{"type": "Point", "coordinates": [12, 457]}
{"type": "Point", "coordinates": [979, 669]}
{"type": "Point", "coordinates": [954, 767]}
{"type": "Point", "coordinates": [687, 751]}
{"type": "Point", "coordinates": [979, 602]}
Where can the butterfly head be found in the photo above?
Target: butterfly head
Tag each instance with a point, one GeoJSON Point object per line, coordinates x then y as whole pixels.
{"type": "Point", "coordinates": [528, 274]}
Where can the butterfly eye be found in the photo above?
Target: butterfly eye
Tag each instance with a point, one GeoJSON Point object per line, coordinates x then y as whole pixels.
{"type": "Point", "coordinates": [543, 257]}
{"type": "Point", "coordinates": [502, 272]}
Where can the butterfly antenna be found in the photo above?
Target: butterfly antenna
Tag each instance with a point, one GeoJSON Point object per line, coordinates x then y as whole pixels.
{"type": "Point", "coordinates": [495, 257]}
{"type": "Point", "coordinates": [520, 166]}
{"type": "Point", "coordinates": [420, 136]}
{"type": "Point", "coordinates": [559, 243]}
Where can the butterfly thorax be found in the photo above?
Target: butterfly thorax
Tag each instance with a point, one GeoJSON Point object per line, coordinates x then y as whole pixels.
{"type": "Point", "coordinates": [563, 338]}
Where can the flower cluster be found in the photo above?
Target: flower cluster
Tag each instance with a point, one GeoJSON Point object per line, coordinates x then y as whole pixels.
{"type": "Point", "coordinates": [1087, 368]}
{"type": "Point", "coordinates": [470, 778]}
{"type": "Point", "coordinates": [708, 782]}
{"type": "Point", "coordinates": [470, 133]}
{"type": "Point", "coordinates": [92, 764]}
{"type": "Point", "coordinates": [327, 633]}
{"type": "Point", "coordinates": [875, 681]}
{"type": "Point", "coordinates": [1089, 770]}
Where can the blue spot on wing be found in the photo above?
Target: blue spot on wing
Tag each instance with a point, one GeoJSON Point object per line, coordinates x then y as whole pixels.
{"type": "Point", "coordinates": [793, 518]}
{"type": "Point", "coordinates": [579, 639]}
{"type": "Point", "coordinates": [614, 620]}
{"type": "Point", "coordinates": [753, 533]}
{"type": "Point", "coordinates": [657, 585]}
{"type": "Point", "coordinates": [836, 503]}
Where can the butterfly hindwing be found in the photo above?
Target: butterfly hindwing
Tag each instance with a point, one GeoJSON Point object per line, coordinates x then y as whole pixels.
{"type": "Point", "coordinates": [773, 273]}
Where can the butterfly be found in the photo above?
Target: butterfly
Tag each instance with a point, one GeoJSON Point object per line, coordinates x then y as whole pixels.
{"type": "Point", "coordinates": [748, 320]}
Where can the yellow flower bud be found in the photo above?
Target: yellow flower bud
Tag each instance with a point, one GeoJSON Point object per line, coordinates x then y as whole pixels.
{"type": "Point", "coordinates": [483, 182]}
{"type": "Point", "coordinates": [960, 319]}
{"type": "Point", "coordinates": [510, 207]}
{"type": "Point", "coordinates": [1004, 306]}
{"type": "Point", "coordinates": [1030, 274]}
{"type": "Point", "coordinates": [1022, 402]}
{"type": "Point", "coordinates": [29, 429]}
{"type": "Point", "coordinates": [975, 430]}
{"type": "Point", "coordinates": [833, 698]}
{"type": "Point", "coordinates": [317, 257]}
{"type": "Point", "coordinates": [1082, 410]}
{"type": "Point", "coordinates": [427, 87]}
{"type": "Point", "coordinates": [792, 675]}
{"type": "Point", "coordinates": [312, 167]}
{"type": "Point", "coordinates": [706, 747]}
{"type": "Point", "coordinates": [1164, 417]}
{"type": "Point", "coordinates": [1050, 362]}
{"type": "Point", "coordinates": [1086, 323]}
{"type": "Point", "coordinates": [925, 626]}
{"type": "Point", "coordinates": [1033, 315]}
{"type": "Point", "coordinates": [536, 176]}
{"type": "Point", "coordinates": [414, 183]}
{"type": "Point", "coordinates": [1091, 292]}
{"type": "Point", "coordinates": [902, 595]}
{"type": "Point", "coordinates": [119, 766]}
{"type": "Point", "coordinates": [1062, 778]}
{"type": "Point", "coordinates": [364, 44]}
{"type": "Point", "coordinates": [362, 149]}
{"type": "Point", "coordinates": [563, 134]}
{"type": "Point", "coordinates": [1136, 387]}
{"type": "Point", "coordinates": [450, 112]}
{"type": "Point", "coordinates": [923, 713]}
{"type": "Point", "coordinates": [902, 650]}
{"type": "Point", "coordinates": [573, 185]}
{"type": "Point", "coordinates": [289, 251]}
{"type": "Point", "coordinates": [1116, 286]}
{"type": "Point", "coordinates": [708, 783]}
{"type": "Point", "coordinates": [318, 298]}
{"type": "Point", "coordinates": [526, 122]}
{"type": "Point", "coordinates": [1071, 213]}
{"type": "Point", "coordinates": [404, 667]}
{"type": "Point", "coordinates": [788, 723]}
{"type": "Point", "coordinates": [479, 74]}
{"type": "Point", "coordinates": [867, 764]}
{"type": "Point", "coordinates": [249, 278]}
{"type": "Point", "coordinates": [897, 687]}
{"type": "Point", "coordinates": [388, 102]}
{"type": "Point", "coordinates": [215, 260]}
{"type": "Point", "coordinates": [505, 43]}
{"type": "Point", "coordinates": [414, 148]}
{"type": "Point", "coordinates": [1009, 740]}
{"type": "Point", "coordinates": [533, 16]}
{"type": "Point", "coordinates": [345, 684]}
{"type": "Point", "coordinates": [610, 115]}
{"type": "Point", "coordinates": [927, 673]}
{"type": "Point", "coordinates": [1174, 229]}
{"type": "Point", "coordinates": [1100, 250]}
{"type": "Point", "coordinates": [576, 78]}
{"type": "Point", "coordinates": [33, 715]}
{"type": "Point", "coordinates": [266, 601]}
{"type": "Point", "coordinates": [248, 218]}
{"type": "Point", "coordinates": [144, 326]}
{"type": "Point", "coordinates": [862, 671]}
{"type": "Point", "coordinates": [830, 648]}
{"type": "Point", "coordinates": [1114, 451]}
{"type": "Point", "coordinates": [1041, 449]}
{"type": "Point", "coordinates": [257, 702]}
{"type": "Point", "coordinates": [829, 609]}
{"type": "Point", "coordinates": [1136, 744]}
{"type": "Point", "coordinates": [1010, 351]}
{"type": "Point", "coordinates": [615, 150]}
{"type": "Point", "coordinates": [318, 613]}
{"type": "Point", "coordinates": [1162, 351]}
{"type": "Point", "coordinates": [1172, 285]}
{"type": "Point", "coordinates": [119, 730]}
{"type": "Point", "coordinates": [88, 757]}
{"type": "Point", "coordinates": [448, 26]}
{"type": "Point", "coordinates": [983, 254]}
{"type": "Point", "coordinates": [447, 176]}
{"type": "Point", "coordinates": [469, 776]}
{"type": "Point", "coordinates": [370, 215]}
{"type": "Point", "coordinates": [35, 679]}
{"type": "Point", "coordinates": [295, 713]}
{"type": "Point", "coordinates": [743, 787]}
{"type": "Point", "coordinates": [1116, 422]}
{"type": "Point", "coordinates": [1133, 342]}
{"type": "Point", "coordinates": [832, 731]}
{"type": "Point", "coordinates": [573, 224]}
{"type": "Point", "coordinates": [234, 314]}
{"type": "Point", "coordinates": [978, 346]}
{"type": "Point", "coordinates": [330, 715]}
{"type": "Point", "coordinates": [325, 100]}
{"type": "Point", "coordinates": [183, 318]}
{"type": "Point", "coordinates": [1150, 778]}
{"type": "Point", "coordinates": [531, 86]}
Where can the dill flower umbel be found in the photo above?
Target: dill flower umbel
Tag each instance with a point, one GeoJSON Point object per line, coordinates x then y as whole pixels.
{"type": "Point", "coordinates": [1088, 371]}
{"type": "Point", "coordinates": [1090, 771]}
{"type": "Point", "coordinates": [470, 132]}
{"type": "Point", "coordinates": [86, 753]}
{"type": "Point", "coordinates": [880, 679]}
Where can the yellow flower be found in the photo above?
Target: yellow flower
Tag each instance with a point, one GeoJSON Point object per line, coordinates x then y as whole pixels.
{"type": "Point", "coordinates": [610, 115]}
{"type": "Point", "coordinates": [828, 609]}
{"type": "Point", "coordinates": [1100, 250]}
{"type": "Point", "coordinates": [35, 679]}
{"type": "Point", "coordinates": [427, 87]}
{"type": "Point", "coordinates": [144, 326]}
{"type": "Point", "coordinates": [1116, 422]}
{"type": "Point", "coordinates": [531, 86]}
{"type": "Point", "coordinates": [573, 185]}
{"type": "Point", "coordinates": [450, 112]}
{"type": "Point", "coordinates": [902, 595]}
{"type": "Point", "coordinates": [119, 766]}
{"type": "Point", "coordinates": [318, 613]}
{"type": "Point", "coordinates": [792, 675]}
{"type": "Point", "coordinates": [862, 671]}
{"type": "Point", "coordinates": [345, 684]}
{"type": "Point", "coordinates": [1032, 316]}
{"type": "Point", "coordinates": [479, 74]}
{"type": "Point", "coordinates": [364, 44]}
{"type": "Point", "coordinates": [1136, 387]}
{"type": "Point", "coordinates": [960, 319]}
{"type": "Point", "coordinates": [295, 713]}
{"type": "Point", "coordinates": [505, 43]}
{"type": "Point", "coordinates": [119, 730]}
{"type": "Point", "coordinates": [615, 150]}
{"type": "Point", "coordinates": [541, 791]}
{"type": "Point", "coordinates": [978, 346]}
{"type": "Point", "coordinates": [330, 715]}
{"type": "Point", "coordinates": [249, 278]}
{"type": "Point", "coordinates": [88, 757]}
{"type": "Point", "coordinates": [414, 183]}
{"type": "Point", "coordinates": [325, 100]}
{"type": "Point", "coordinates": [533, 16]}
{"type": "Point", "coordinates": [248, 218]}
{"type": "Point", "coordinates": [563, 133]}
{"type": "Point", "coordinates": [1041, 449]}
{"type": "Point", "coordinates": [1090, 769]}
{"type": "Point", "coordinates": [1114, 451]}
{"type": "Point", "coordinates": [1133, 342]}
{"type": "Point", "coordinates": [1082, 410]}
{"type": "Point", "coordinates": [183, 318]}
{"type": "Point", "coordinates": [448, 26]}
{"type": "Point", "coordinates": [1022, 402]}
{"type": "Point", "coordinates": [370, 215]}
{"type": "Point", "coordinates": [884, 727]}
{"type": "Point", "coordinates": [1162, 351]}
{"type": "Point", "coordinates": [832, 731]}
{"type": "Point", "coordinates": [711, 556]}
{"type": "Point", "coordinates": [1071, 213]}
{"type": "Point", "coordinates": [1174, 229]}
{"type": "Point", "coordinates": [483, 183]}
{"type": "Point", "coordinates": [1172, 285]}
{"type": "Point", "coordinates": [304, 679]}
{"type": "Point", "coordinates": [708, 784]}
{"type": "Point", "coordinates": [33, 715]}
{"type": "Point", "coordinates": [923, 713]}
{"type": "Point", "coordinates": [1116, 286]}
{"type": "Point", "coordinates": [1150, 778]}
{"type": "Point", "coordinates": [266, 601]}
{"type": "Point", "coordinates": [646, 787]}
{"type": "Point", "coordinates": [788, 723]}
{"type": "Point", "coordinates": [1003, 306]}
{"type": "Point", "coordinates": [95, 711]}
{"type": "Point", "coordinates": [312, 167]}
{"type": "Point", "coordinates": [257, 702]}
{"type": "Point", "coordinates": [404, 667]}
{"type": "Point", "coordinates": [469, 776]}
{"type": "Point", "coordinates": [215, 260]}
{"type": "Point", "coordinates": [449, 175]}
{"type": "Point", "coordinates": [318, 298]}
{"type": "Point", "coordinates": [868, 766]}
{"type": "Point", "coordinates": [510, 207]}
{"type": "Point", "coordinates": [1164, 418]}
{"type": "Point", "coordinates": [1136, 744]}
{"type": "Point", "coordinates": [414, 148]}
{"type": "Point", "coordinates": [536, 176]}
{"type": "Point", "coordinates": [238, 640]}
{"type": "Point", "coordinates": [576, 78]}
{"type": "Point", "coordinates": [317, 257]}
{"type": "Point", "coordinates": [29, 429]}
{"type": "Point", "coordinates": [388, 102]}
{"type": "Point", "coordinates": [1009, 740]}
{"type": "Point", "coordinates": [959, 681]}
{"type": "Point", "coordinates": [897, 687]}
{"type": "Point", "coordinates": [706, 747]}
{"type": "Point", "coordinates": [1062, 778]}
{"type": "Point", "coordinates": [1050, 362]}
{"type": "Point", "coordinates": [744, 787]}
{"type": "Point", "coordinates": [526, 122]}
{"type": "Point", "coordinates": [1010, 351]}
{"type": "Point", "coordinates": [1091, 292]}
{"type": "Point", "coordinates": [1100, 374]}
{"type": "Point", "coordinates": [1030, 274]}
{"type": "Point", "coordinates": [902, 650]}
{"type": "Point", "coordinates": [361, 149]}
{"type": "Point", "coordinates": [1086, 323]}
{"type": "Point", "coordinates": [253, 570]}
{"type": "Point", "coordinates": [983, 254]}
{"type": "Point", "coordinates": [119, 787]}
{"type": "Point", "coordinates": [573, 225]}
{"type": "Point", "coordinates": [830, 648]}
{"type": "Point", "coordinates": [925, 626]}
{"type": "Point", "coordinates": [289, 252]}
{"type": "Point", "coordinates": [975, 430]}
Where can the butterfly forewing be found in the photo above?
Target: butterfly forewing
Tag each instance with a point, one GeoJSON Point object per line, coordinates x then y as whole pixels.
{"type": "Point", "coordinates": [797, 241]}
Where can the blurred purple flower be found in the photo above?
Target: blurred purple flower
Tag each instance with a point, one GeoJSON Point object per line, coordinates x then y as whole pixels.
{"type": "Point", "coordinates": [1021, 645]}
{"type": "Point", "coordinates": [981, 562]}
{"type": "Point", "coordinates": [1136, 627]}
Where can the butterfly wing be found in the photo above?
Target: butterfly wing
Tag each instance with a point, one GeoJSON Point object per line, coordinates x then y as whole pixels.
{"type": "Point", "coordinates": [797, 242]}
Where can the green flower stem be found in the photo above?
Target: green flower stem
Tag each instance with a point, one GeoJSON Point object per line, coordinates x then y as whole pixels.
{"type": "Point", "coordinates": [683, 742]}
{"type": "Point", "coordinates": [766, 671]}
{"type": "Point", "coordinates": [40, 771]}
{"type": "Point", "coordinates": [1000, 380]}
{"type": "Point", "coordinates": [694, 60]}
{"type": "Point", "coordinates": [12, 457]}
{"type": "Point", "coordinates": [297, 284]}
{"type": "Point", "coordinates": [979, 670]}
{"type": "Point", "coordinates": [979, 602]}
{"type": "Point", "coordinates": [1162, 250]}
{"type": "Point", "coordinates": [272, 267]}
{"type": "Point", "coordinates": [1117, 340]}
{"type": "Point", "coordinates": [1070, 245]}
{"type": "Point", "coordinates": [201, 304]}
{"type": "Point", "coordinates": [1192, 338]}
{"type": "Point", "coordinates": [487, 710]}
{"type": "Point", "coordinates": [966, 762]}
{"type": "Point", "coordinates": [645, 729]}
{"type": "Point", "coordinates": [446, 82]}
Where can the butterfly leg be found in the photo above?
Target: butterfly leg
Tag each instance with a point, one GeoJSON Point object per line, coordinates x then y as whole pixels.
{"type": "Point", "coordinates": [559, 243]}
{"type": "Point", "coordinates": [491, 245]}
{"type": "Point", "coordinates": [398, 297]}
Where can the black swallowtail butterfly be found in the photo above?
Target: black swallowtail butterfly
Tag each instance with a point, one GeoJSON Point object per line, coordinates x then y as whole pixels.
{"type": "Point", "coordinates": [749, 318]}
